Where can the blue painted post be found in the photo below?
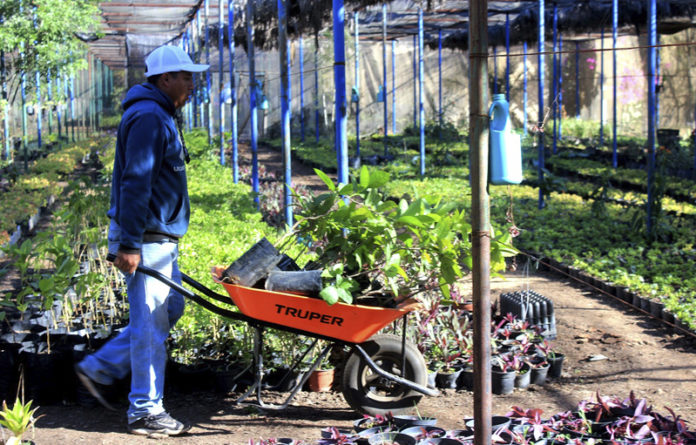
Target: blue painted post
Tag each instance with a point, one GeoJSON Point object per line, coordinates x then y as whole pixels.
{"type": "Point", "coordinates": [49, 97]}
{"type": "Point", "coordinates": [601, 90]}
{"type": "Point", "coordinates": [524, 89]}
{"type": "Point", "coordinates": [37, 76]}
{"type": "Point", "coordinates": [302, 123]}
{"type": "Point", "coordinates": [72, 106]}
{"type": "Point", "coordinates": [357, 83]}
{"type": "Point", "coordinates": [554, 82]}
{"type": "Point", "coordinates": [393, 86]}
{"type": "Point", "coordinates": [285, 107]}
{"type": "Point", "coordinates": [614, 34]}
{"type": "Point", "coordinates": [233, 90]}
{"type": "Point", "coordinates": [421, 92]}
{"type": "Point", "coordinates": [59, 114]}
{"type": "Point", "coordinates": [221, 82]}
{"type": "Point", "coordinates": [253, 117]}
{"type": "Point", "coordinates": [6, 107]}
{"type": "Point", "coordinates": [415, 81]}
{"type": "Point", "coordinates": [540, 59]}
{"type": "Point", "coordinates": [658, 81]}
{"type": "Point", "coordinates": [560, 87]}
{"type": "Point", "coordinates": [316, 87]}
{"type": "Point", "coordinates": [196, 79]}
{"type": "Point", "coordinates": [694, 138]}
{"type": "Point", "coordinates": [652, 42]}
{"type": "Point", "coordinates": [340, 85]}
{"type": "Point", "coordinates": [190, 105]}
{"type": "Point", "coordinates": [507, 57]}
{"type": "Point", "coordinates": [384, 76]}
{"type": "Point", "coordinates": [495, 70]}
{"type": "Point", "coordinates": [439, 79]}
{"type": "Point", "coordinates": [208, 88]}
{"type": "Point", "coordinates": [577, 80]}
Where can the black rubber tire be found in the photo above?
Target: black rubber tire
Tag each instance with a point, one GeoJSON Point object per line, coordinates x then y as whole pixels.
{"type": "Point", "coordinates": [369, 393]}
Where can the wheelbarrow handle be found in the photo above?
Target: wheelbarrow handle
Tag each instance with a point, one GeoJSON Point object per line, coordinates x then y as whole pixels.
{"type": "Point", "coordinates": [157, 275]}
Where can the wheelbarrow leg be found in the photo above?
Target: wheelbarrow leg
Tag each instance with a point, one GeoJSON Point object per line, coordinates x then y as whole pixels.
{"type": "Point", "coordinates": [258, 362]}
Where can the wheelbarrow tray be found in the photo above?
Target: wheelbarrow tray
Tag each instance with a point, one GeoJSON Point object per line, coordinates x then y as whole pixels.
{"type": "Point", "coordinates": [352, 323]}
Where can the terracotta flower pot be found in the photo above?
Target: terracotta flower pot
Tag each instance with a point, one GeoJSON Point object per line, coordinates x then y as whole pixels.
{"type": "Point", "coordinates": [321, 380]}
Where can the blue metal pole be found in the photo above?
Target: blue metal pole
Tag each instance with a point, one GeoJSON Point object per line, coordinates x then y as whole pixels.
{"type": "Point", "coordinates": [37, 76]}
{"type": "Point", "coordinates": [384, 75]}
{"type": "Point", "coordinates": [233, 90]}
{"type": "Point", "coordinates": [6, 107]}
{"type": "Point", "coordinates": [657, 81]}
{"type": "Point", "coordinates": [695, 138]}
{"type": "Point", "coordinates": [59, 114]}
{"type": "Point", "coordinates": [524, 83]}
{"type": "Point", "coordinates": [601, 90]}
{"type": "Point", "coordinates": [415, 81]}
{"type": "Point", "coordinates": [316, 87]}
{"type": "Point", "coordinates": [439, 79]}
{"type": "Point", "coordinates": [208, 88]}
{"type": "Point", "coordinates": [341, 140]}
{"type": "Point", "coordinates": [393, 86]}
{"type": "Point", "coordinates": [196, 78]}
{"type": "Point", "coordinates": [49, 96]}
{"type": "Point", "coordinates": [302, 122]}
{"type": "Point", "coordinates": [221, 83]}
{"type": "Point", "coordinates": [507, 57]}
{"type": "Point", "coordinates": [253, 117]}
{"type": "Point", "coordinates": [421, 91]}
{"type": "Point", "coordinates": [495, 70]}
{"type": "Point", "coordinates": [652, 41]}
{"type": "Point", "coordinates": [356, 17]}
{"type": "Point", "coordinates": [72, 105]}
{"type": "Point", "coordinates": [540, 59]}
{"type": "Point", "coordinates": [559, 104]}
{"type": "Point", "coordinates": [554, 82]}
{"type": "Point", "coordinates": [614, 34]}
{"type": "Point", "coordinates": [577, 80]}
{"type": "Point", "coordinates": [285, 107]}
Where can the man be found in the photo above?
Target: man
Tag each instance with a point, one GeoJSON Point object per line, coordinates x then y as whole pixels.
{"type": "Point", "coordinates": [149, 213]}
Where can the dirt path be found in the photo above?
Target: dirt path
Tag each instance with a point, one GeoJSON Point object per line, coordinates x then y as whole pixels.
{"type": "Point", "coordinates": [641, 355]}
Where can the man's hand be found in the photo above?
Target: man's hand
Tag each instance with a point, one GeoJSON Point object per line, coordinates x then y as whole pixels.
{"type": "Point", "coordinates": [127, 262]}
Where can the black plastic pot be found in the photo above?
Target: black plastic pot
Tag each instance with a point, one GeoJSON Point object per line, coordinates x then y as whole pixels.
{"type": "Point", "coordinates": [447, 380]}
{"type": "Point", "coordinates": [8, 370]}
{"type": "Point", "coordinates": [466, 379]}
{"type": "Point", "coordinates": [555, 365]}
{"type": "Point", "coordinates": [502, 382]}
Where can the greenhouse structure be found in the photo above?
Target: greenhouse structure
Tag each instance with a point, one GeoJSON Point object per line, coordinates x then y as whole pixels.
{"type": "Point", "coordinates": [425, 165]}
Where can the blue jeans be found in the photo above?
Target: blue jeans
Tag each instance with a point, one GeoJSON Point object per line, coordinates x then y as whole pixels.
{"type": "Point", "coordinates": [140, 348]}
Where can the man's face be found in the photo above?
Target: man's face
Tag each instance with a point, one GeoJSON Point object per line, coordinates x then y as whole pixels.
{"type": "Point", "coordinates": [178, 86]}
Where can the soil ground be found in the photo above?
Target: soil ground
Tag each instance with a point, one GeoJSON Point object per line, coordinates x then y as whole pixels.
{"type": "Point", "coordinates": [637, 353]}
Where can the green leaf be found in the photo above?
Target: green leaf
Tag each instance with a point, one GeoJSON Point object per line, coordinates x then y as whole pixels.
{"type": "Point", "coordinates": [364, 177]}
{"type": "Point", "coordinates": [330, 294]}
{"type": "Point", "coordinates": [410, 220]}
{"type": "Point", "coordinates": [378, 178]}
{"type": "Point", "coordinates": [324, 177]}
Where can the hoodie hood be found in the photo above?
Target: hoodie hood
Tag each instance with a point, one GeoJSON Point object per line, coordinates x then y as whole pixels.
{"type": "Point", "coordinates": [147, 91]}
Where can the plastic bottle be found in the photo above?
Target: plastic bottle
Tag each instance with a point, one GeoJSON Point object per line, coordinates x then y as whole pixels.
{"type": "Point", "coordinates": [505, 146]}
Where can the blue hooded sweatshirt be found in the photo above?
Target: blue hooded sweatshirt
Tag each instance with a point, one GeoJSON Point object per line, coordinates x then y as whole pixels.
{"type": "Point", "coordinates": [148, 190]}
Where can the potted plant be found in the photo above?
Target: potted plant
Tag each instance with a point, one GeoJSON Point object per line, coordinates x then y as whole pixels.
{"type": "Point", "coordinates": [18, 420]}
{"type": "Point", "coordinates": [372, 248]}
{"type": "Point", "coordinates": [322, 378]}
{"type": "Point", "coordinates": [554, 358]}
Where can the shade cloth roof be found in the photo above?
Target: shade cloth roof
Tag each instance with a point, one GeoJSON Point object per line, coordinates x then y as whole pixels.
{"type": "Point", "coordinates": [133, 28]}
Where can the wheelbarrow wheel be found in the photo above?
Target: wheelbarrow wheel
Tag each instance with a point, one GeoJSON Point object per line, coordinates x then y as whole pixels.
{"type": "Point", "coordinates": [367, 392]}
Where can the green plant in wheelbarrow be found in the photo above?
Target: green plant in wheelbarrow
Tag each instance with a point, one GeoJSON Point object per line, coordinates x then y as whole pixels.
{"type": "Point", "coordinates": [377, 250]}
{"type": "Point", "coordinates": [17, 420]}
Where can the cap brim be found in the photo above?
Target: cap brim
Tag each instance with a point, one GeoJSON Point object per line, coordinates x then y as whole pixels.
{"type": "Point", "coordinates": [188, 67]}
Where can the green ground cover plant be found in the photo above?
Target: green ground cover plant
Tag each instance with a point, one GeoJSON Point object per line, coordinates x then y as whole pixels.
{"type": "Point", "coordinates": [27, 192]}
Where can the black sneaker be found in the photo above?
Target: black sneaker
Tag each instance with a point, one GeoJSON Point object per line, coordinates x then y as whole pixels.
{"type": "Point", "coordinates": [158, 426]}
{"type": "Point", "coordinates": [93, 387]}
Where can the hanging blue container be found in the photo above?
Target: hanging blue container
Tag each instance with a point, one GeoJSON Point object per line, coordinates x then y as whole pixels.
{"type": "Point", "coordinates": [505, 146]}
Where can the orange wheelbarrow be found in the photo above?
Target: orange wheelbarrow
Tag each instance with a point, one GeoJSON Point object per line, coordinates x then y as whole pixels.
{"type": "Point", "coordinates": [383, 372]}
